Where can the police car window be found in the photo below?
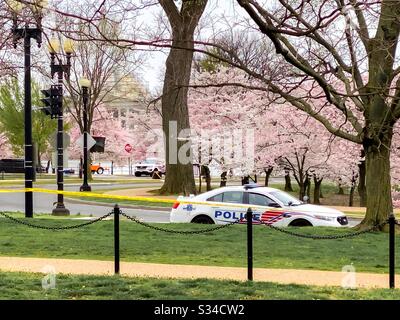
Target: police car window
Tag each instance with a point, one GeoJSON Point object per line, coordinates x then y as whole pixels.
{"type": "Point", "coordinates": [233, 197]}
{"type": "Point", "coordinates": [260, 200]}
{"type": "Point", "coordinates": [216, 198]}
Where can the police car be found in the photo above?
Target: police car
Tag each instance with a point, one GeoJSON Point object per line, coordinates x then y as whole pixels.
{"type": "Point", "coordinates": [269, 205]}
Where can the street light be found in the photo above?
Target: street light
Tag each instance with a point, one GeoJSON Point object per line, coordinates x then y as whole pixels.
{"type": "Point", "coordinates": [85, 84]}
{"type": "Point", "coordinates": [27, 32]}
{"type": "Point", "coordinates": [60, 69]}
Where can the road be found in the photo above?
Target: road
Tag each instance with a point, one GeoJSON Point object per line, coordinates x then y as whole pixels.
{"type": "Point", "coordinates": [43, 203]}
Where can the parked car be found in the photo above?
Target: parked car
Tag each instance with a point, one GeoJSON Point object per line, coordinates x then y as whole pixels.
{"type": "Point", "coordinates": [148, 166]}
{"type": "Point", "coordinates": [269, 205]}
{"type": "Point", "coordinates": [17, 166]}
{"type": "Point", "coordinates": [97, 168]}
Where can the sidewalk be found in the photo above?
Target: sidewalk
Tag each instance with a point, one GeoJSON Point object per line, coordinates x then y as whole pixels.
{"type": "Point", "coordinates": [131, 269]}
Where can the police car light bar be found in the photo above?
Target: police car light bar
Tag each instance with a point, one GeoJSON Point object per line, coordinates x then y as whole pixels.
{"type": "Point", "coordinates": [251, 186]}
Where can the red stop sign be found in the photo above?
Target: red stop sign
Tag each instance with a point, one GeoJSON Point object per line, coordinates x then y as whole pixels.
{"type": "Point", "coordinates": [128, 148]}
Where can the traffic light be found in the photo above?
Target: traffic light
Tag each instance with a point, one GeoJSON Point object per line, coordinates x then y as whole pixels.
{"type": "Point", "coordinates": [52, 101]}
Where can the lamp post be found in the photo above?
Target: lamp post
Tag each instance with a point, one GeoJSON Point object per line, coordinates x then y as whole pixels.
{"type": "Point", "coordinates": [27, 32]}
{"type": "Point", "coordinates": [85, 84]}
{"type": "Point", "coordinates": [60, 69]}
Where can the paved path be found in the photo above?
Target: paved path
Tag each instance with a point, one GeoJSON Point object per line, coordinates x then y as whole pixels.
{"type": "Point", "coordinates": [284, 276]}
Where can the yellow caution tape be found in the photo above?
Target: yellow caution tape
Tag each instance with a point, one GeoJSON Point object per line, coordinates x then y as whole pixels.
{"type": "Point", "coordinates": [130, 198]}
{"type": "Point", "coordinates": [11, 190]}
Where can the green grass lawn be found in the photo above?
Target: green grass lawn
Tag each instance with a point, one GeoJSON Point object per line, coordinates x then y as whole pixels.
{"type": "Point", "coordinates": [226, 247]}
{"type": "Point", "coordinates": [28, 286]}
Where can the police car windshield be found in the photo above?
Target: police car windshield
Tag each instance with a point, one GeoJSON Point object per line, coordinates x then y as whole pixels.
{"type": "Point", "coordinates": [286, 198]}
{"type": "Point", "coordinates": [150, 161]}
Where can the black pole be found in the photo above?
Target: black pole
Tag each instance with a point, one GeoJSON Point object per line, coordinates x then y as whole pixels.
{"type": "Point", "coordinates": [27, 33]}
{"type": "Point", "coordinates": [80, 168]}
{"type": "Point", "coordinates": [116, 239]}
{"type": "Point", "coordinates": [60, 69]}
{"type": "Point", "coordinates": [85, 96]}
{"type": "Point", "coordinates": [249, 218]}
{"type": "Point", "coordinates": [28, 128]}
{"type": "Point", "coordinates": [60, 208]}
{"type": "Point", "coordinates": [392, 223]}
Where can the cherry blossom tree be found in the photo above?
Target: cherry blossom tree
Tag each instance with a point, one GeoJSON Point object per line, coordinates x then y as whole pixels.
{"type": "Point", "coordinates": [322, 43]}
{"type": "Point", "coordinates": [103, 126]}
{"type": "Point", "coordinates": [5, 149]}
{"type": "Point", "coordinates": [284, 137]}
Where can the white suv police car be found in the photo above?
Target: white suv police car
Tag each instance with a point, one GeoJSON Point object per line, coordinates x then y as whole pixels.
{"type": "Point", "coordinates": [269, 205]}
{"type": "Point", "coordinates": [148, 166]}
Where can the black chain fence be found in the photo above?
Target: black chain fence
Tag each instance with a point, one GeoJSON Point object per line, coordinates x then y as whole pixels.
{"type": "Point", "coordinates": [31, 225]}
{"type": "Point", "coordinates": [249, 221]}
{"type": "Point", "coordinates": [144, 224]}
{"type": "Point", "coordinates": [188, 232]}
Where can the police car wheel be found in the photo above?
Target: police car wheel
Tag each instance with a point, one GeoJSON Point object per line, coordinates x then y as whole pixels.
{"type": "Point", "coordinates": [203, 220]}
{"type": "Point", "coordinates": [300, 223]}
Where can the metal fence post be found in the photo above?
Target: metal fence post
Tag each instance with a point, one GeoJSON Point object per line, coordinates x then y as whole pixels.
{"type": "Point", "coordinates": [116, 239]}
{"type": "Point", "coordinates": [392, 223]}
{"type": "Point", "coordinates": [249, 218]}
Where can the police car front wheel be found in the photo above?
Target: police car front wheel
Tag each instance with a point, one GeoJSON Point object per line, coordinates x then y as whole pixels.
{"type": "Point", "coordinates": [203, 219]}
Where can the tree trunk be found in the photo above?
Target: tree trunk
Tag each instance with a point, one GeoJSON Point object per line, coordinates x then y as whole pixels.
{"type": "Point", "coordinates": [179, 176]}
{"type": "Point", "coordinates": [340, 187]}
{"type": "Point", "coordinates": [379, 199]}
{"type": "Point", "coordinates": [308, 187]}
{"type": "Point", "coordinates": [317, 189]}
{"type": "Point", "coordinates": [223, 179]}
{"type": "Point", "coordinates": [245, 180]}
{"type": "Point", "coordinates": [200, 176]}
{"type": "Point", "coordinates": [208, 179]}
{"type": "Point", "coordinates": [267, 175]}
{"type": "Point", "coordinates": [302, 190]}
{"type": "Point", "coordinates": [288, 182]}
{"type": "Point", "coordinates": [351, 196]}
{"type": "Point", "coordinates": [352, 188]}
{"type": "Point", "coordinates": [362, 189]}
{"type": "Point", "coordinates": [205, 172]}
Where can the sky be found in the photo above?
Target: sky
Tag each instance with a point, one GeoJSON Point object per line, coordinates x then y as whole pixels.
{"type": "Point", "coordinates": [152, 72]}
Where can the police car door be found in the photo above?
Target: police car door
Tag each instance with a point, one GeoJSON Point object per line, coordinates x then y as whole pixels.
{"type": "Point", "coordinates": [263, 208]}
{"type": "Point", "coordinates": [229, 211]}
